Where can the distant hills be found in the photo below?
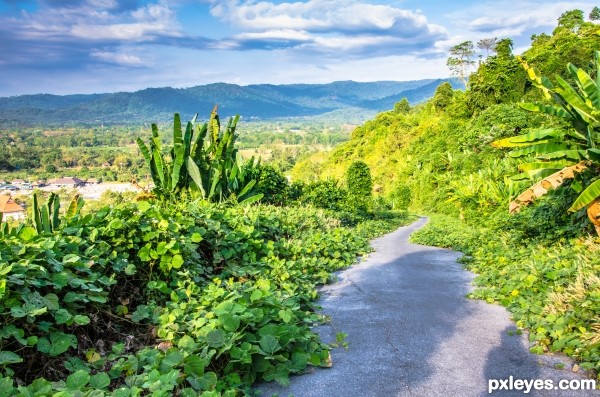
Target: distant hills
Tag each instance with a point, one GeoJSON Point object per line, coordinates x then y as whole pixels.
{"type": "Point", "coordinates": [263, 101]}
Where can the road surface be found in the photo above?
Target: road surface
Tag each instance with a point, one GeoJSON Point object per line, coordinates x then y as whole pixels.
{"type": "Point", "coordinates": [412, 332]}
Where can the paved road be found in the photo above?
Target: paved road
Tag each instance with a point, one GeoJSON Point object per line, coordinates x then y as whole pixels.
{"type": "Point", "coordinates": [412, 332]}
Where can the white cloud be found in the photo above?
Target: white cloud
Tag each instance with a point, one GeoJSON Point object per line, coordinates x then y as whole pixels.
{"type": "Point", "coordinates": [509, 19]}
{"type": "Point", "coordinates": [327, 25]}
{"type": "Point", "coordinates": [320, 15]}
{"type": "Point", "coordinates": [92, 20]}
{"type": "Point", "coordinates": [118, 58]}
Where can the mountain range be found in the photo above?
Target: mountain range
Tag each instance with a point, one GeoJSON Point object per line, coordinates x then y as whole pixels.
{"type": "Point", "coordinates": [262, 101]}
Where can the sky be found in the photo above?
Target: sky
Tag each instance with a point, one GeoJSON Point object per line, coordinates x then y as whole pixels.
{"type": "Point", "coordinates": [95, 46]}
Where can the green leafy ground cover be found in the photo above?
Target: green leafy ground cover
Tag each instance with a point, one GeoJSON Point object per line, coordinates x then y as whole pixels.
{"type": "Point", "coordinates": [180, 299]}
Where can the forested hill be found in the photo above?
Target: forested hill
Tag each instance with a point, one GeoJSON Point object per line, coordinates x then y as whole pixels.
{"type": "Point", "coordinates": [263, 101]}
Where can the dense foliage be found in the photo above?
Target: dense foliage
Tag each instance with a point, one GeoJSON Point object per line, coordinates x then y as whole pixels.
{"type": "Point", "coordinates": [203, 162]}
{"type": "Point", "coordinates": [181, 298]}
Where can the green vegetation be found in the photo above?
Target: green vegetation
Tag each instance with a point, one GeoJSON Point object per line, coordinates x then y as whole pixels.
{"type": "Point", "coordinates": [438, 158]}
{"type": "Point", "coordinates": [211, 168]}
{"type": "Point", "coordinates": [186, 292]}
{"type": "Point", "coordinates": [559, 154]}
{"type": "Point", "coordinates": [360, 186]}
{"type": "Point", "coordinates": [172, 294]}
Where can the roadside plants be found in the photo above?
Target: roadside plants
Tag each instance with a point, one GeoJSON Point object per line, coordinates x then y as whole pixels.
{"type": "Point", "coordinates": [203, 162]}
{"type": "Point", "coordinates": [561, 154]}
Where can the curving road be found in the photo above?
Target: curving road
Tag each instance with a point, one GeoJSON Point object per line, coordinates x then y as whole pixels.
{"type": "Point", "coordinates": [412, 332]}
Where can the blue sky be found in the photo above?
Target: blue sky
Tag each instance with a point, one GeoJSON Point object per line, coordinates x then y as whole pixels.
{"type": "Point", "coordinates": [88, 46]}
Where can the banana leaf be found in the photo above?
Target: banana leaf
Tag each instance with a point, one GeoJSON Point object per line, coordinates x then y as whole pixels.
{"type": "Point", "coordinates": [588, 86]}
{"type": "Point", "coordinates": [55, 211]}
{"type": "Point", "coordinates": [155, 137]}
{"type": "Point", "coordinates": [545, 108]}
{"type": "Point", "coordinates": [540, 148]}
{"type": "Point", "coordinates": [533, 175]}
{"type": "Point", "coordinates": [178, 159]}
{"type": "Point", "coordinates": [37, 221]}
{"type": "Point", "coordinates": [536, 165]}
{"type": "Point", "coordinates": [247, 188]}
{"type": "Point", "coordinates": [591, 193]}
{"type": "Point", "coordinates": [575, 155]}
{"type": "Point", "coordinates": [593, 154]}
{"type": "Point", "coordinates": [538, 137]}
{"type": "Point", "coordinates": [73, 207]}
{"type": "Point", "coordinates": [195, 175]}
{"type": "Point", "coordinates": [45, 214]}
{"type": "Point", "coordinates": [198, 142]}
{"type": "Point", "coordinates": [252, 199]}
{"type": "Point", "coordinates": [159, 168]}
{"type": "Point", "coordinates": [187, 138]}
{"type": "Point", "coordinates": [575, 100]}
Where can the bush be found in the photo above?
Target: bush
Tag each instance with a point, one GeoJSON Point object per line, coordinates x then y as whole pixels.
{"type": "Point", "coordinates": [273, 185]}
{"type": "Point", "coordinates": [401, 197]}
{"type": "Point", "coordinates": [324, 194]}
{"type": "Point", "coordinates": [360, 186]}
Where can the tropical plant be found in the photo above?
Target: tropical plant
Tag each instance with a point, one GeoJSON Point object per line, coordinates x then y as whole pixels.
{"type": "Point", "coordinates": [46, 217]}
{"type": "Point", "coordinates": [210, 167]}
{"type": "Point", "coordinates": [561, 154]}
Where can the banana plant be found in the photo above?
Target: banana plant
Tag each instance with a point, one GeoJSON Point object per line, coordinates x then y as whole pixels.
{"type": "Point", "coordinates": [203, 161]}
{"type": "Point", "coordinates": [561, 155]}
{"type": "Point", "coordinates": [46, 217]}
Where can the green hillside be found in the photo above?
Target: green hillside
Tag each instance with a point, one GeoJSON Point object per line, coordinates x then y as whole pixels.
{"type": "Point", "coordinates": [437, 157]}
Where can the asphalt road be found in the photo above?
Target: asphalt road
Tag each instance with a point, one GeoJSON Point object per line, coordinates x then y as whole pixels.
{"type": "Point", "coordinates": [412, 332]}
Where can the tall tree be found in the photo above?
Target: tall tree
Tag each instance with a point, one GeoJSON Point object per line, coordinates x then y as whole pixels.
{"type": "Point", "coordinates": [595, 14]}
{"type": "Point", "coordinates": [489, 45]}
{"type": "Point", "coordinates": [460, 61]}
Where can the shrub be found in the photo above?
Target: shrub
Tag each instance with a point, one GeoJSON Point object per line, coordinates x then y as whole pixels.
{"type": "Point", "coordinates": [401, 197]}
{"type": "Point", "coordinates": [360, 186]}
{"type": "Point", "coordinates": [273, 185]}
{"type": "Point", "coordinates": [324, 194]}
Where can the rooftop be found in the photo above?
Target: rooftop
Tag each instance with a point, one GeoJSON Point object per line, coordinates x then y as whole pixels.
{"type": "Point", "coordinates": [8, 205]}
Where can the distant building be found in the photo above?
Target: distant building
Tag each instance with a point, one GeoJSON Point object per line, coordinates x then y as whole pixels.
{"type": "Point", "coordinates": [93, 181]}
{"type": "Point", "coordinates": [10, 209]}
{"type": "Point", "coordinates": [66, 182]}
{"type": "Point", "coordinates": [3, 182]}
{"type": "Point", "coordinates": [18, 182]}
{"type": "Point", "coordinates": [39, 183]}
